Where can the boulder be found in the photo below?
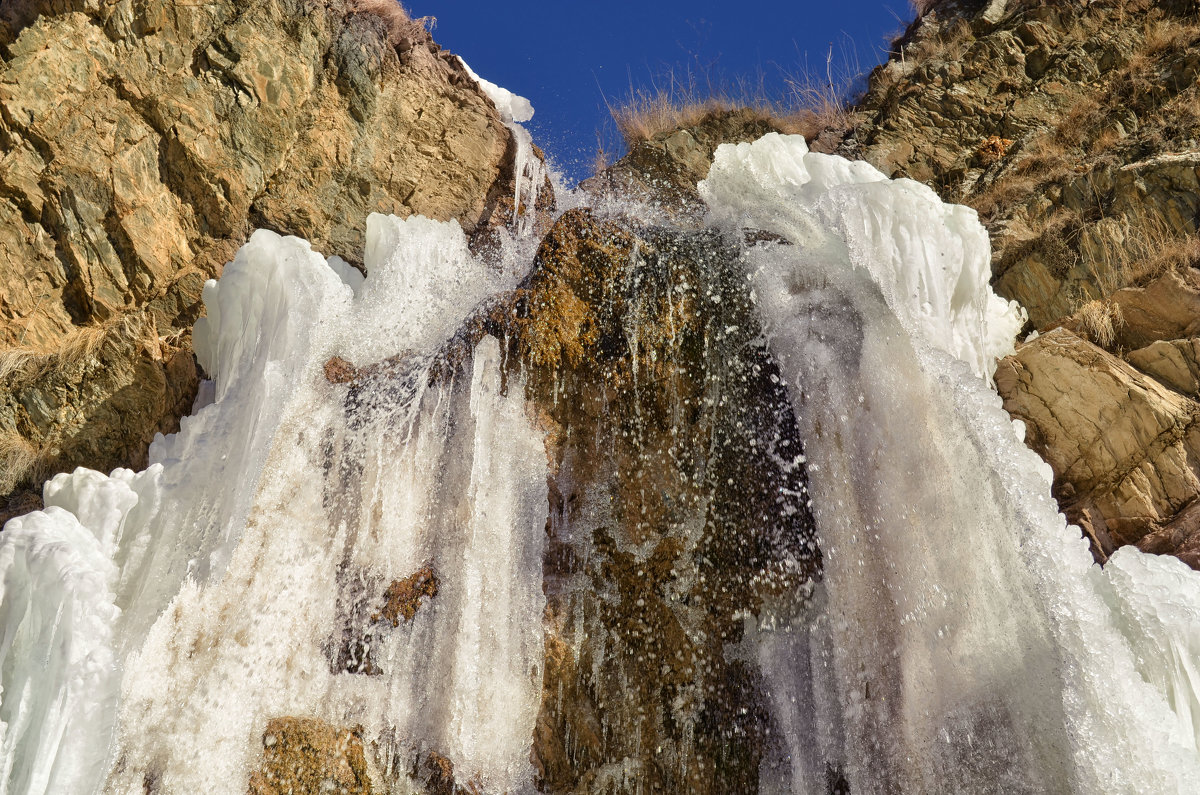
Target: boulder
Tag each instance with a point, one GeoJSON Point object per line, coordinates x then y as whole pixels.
{"type": "Point", "coordinates": [1175, 364]}
{"type": "Point", "coordinates": [1167, 308]}
{"type": "Point", "coordinates": [1124, 448]}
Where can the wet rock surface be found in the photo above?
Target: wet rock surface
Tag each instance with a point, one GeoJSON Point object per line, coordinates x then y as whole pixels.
{"type": "Point", "coordinates": [669, 526]}
{"type": "Point", "coordinates": [305, 756]}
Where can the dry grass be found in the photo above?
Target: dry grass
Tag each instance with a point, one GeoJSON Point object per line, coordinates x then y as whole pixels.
{"type": "Point", "coordinates": [399, 26]}
{"type": "Point", "coordinates": [20, 463]}
{"type": "Point", "coordinates": [950, 42]}
{"type": "Point", "coordinates": [1036, 165]}
{"type": "Point", "coordinates": [82, 347]}
{"type": "Point", "coordinates": [648, 113]}
{"type": "Point", "coordinates": [811, 102]}
{"type": "Point", "coordinates": [1098, 322]}
{"type": "Point", "coordinates": [1149, 249]}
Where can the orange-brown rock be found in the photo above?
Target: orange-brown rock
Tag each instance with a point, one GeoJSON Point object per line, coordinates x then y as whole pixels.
{"type": "Point", "coordinates": [403, 598]}
{"type": "Point", "coordinates": [306, 756]}
{"type": "Point", "coordinates": [339, 371]}
{"type": "Point", "coordinates": [98, 400]}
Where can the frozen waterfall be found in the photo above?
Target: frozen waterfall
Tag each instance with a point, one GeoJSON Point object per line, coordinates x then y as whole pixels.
{"type": "Point", "coordinates": [960, 639]}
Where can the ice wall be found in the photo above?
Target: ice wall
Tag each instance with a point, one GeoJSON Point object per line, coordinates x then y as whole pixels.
{"type": "Point", "coordinates": [966, 642]}
{"type": "Point", "coordinates": [215, 590]}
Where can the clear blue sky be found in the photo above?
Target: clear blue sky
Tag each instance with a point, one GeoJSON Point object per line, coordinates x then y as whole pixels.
{"type": "Point", "coordinates": [569, 57]}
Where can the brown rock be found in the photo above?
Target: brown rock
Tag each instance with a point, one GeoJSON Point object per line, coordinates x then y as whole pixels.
{"type": "Point", "coordinates": [1167, 308]}
{"type": "Point", "coordinates": [1098, 105]}
{"type": "Point", "coordinates": [306, 756]}
{"type": "Point", "coordinates": [339, 371]}
{"type": "Point", "coordinates": [1175, 364]}
{"type": "Point", "coordinates": [437, 776]}
{"type": "Point", "coordinates": [98, 401]}
{"type": "Point", "coordinates": [403, 598]}
{"type": "Point", "coordinates": [1125, 449]}
{"type": "Point", "coordinates": [660, 540]}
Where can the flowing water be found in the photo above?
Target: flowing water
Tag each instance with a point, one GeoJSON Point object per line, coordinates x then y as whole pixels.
{"type": "Point", "coordinates": [952, 634]}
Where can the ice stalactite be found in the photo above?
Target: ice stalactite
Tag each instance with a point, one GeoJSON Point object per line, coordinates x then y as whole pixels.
{"type": "Point", "coordinates": [529, 170]}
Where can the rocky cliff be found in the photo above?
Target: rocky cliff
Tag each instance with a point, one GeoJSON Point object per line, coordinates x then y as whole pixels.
{"type": "Point", "coordinates": [142, 140]}
{"type": "Point", "coordinates": [1074, 129]}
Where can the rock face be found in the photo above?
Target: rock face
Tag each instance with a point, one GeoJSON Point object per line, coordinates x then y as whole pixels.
{"type": "Point", "coordinates": [1125, 448]}
{"type": "Point", "coordinates": [140, 142]}
{"type": "Point", "coordinates": [1074, 129]}
{"type": "Point", "coordinates": [669, 522]}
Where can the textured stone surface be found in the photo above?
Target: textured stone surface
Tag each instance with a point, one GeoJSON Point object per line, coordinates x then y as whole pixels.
{"type": "Point", "coordinates": [1167, 308]}
{"type": "Point", "coordinates": [142, 140]}
{"type": "Point", "coordinates": [669, 519]}
{"type": "Point", "coordinates": [306, 756]}
{"type": "Point", "coordinates": [96, 402]}
{"type": "Point", "coordinates": [1174, 364]}
{"type": "Point", "coordinates": [1124, 448]}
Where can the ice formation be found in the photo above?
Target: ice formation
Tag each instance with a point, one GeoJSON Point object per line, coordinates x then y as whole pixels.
{"type": "Point", "coordinates": [967, 643]}
{"type": "Point", "coordinates": [206, 586]}
{"type": "Point", "coordinates": [530, 170]}
{"type": "Point", "coordinates": [961, 641]}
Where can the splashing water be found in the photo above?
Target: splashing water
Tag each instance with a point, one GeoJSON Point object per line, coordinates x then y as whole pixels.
{"type": "Point", "coordinates": [961, 640]}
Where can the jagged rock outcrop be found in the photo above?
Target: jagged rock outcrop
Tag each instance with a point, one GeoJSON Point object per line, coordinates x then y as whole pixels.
{"type": "Point", "coordinates": [141, 141]}
{"type": "Point", "coordinates": [1074, 129]}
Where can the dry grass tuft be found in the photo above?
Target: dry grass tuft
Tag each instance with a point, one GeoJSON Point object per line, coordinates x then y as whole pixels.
{"type": "Point", "coordinates": [83, 346]}
{"type": "Point", "coordinates": [20, 463]}
{"type": "Point", "coordinates": [648, 113]}
{"type": "Point", "coordinates": [1151, 248]}
{"type": "Point", "coordinates": [949, 42]}
{"type": "Point", "coordinates": [1098, 321]}
{"type": "Point", "coordinates": [992, 149]}
{"type": "Point", "coordinates": [811, 103]}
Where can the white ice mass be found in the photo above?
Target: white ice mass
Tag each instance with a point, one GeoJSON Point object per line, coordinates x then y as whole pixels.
{"type": "Point", "coordinates": [153, 622]}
